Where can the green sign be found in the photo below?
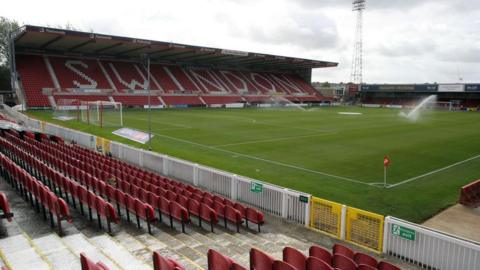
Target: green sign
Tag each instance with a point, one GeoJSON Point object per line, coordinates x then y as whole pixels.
{"type": "Point", "coordinates": [303, 199]}
{"type": "Point", "coordinates": [256, 187]}
{"type": "Point", "coordinates": [403, 232]}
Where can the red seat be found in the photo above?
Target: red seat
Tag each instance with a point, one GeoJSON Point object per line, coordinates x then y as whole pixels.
{"type": "Point", "coordinates": [295, 258]}
{"type": "Point", "coordinates": [161, 263]}
{"type": "Point", "coordinates": [194, 209]}
{"type": "Point", "coordinates": [234, 216]}
{"type": "Point", "coordinates": [362, 258]}
{"type": "Point", "coordinates": [260, 260]}
{"type": "Point", "coordinates": [220, 210]}
{"type": "Point", "coordinates": [314, 263]}
{"type": "Point", "coordinates": [280, 265]}
{"type": "Point", "coordinates": [145, 212]}
{"type": "Point", "coordinates": [87, 264]}
{"type": "Point", "coordinates": [107, 211]}
{"type": "Point", "coordinates": [236, 266]}
{"type": "Point", "coordinates": [4, 206]}
{"type": "Point", "coordinates": [164, 207]}
{"type": "Point", "coordinates": [343, 263]}
{"type": "Point", "coordinates": [320, 253]}
{"type": "Point", "coordinates": [208, 214]}
{"type": "Point", "coordinates": [254, 216]}
{"type": "Point", "coordinates": [387, 266]}
{"type": "Point", "coordinates": [171, 196]}
{"type": "Point", "coordinates": [207, 201]}
{"type": "Point", "coordinates": [366, 267]}
{"type": "Point", "coordinates": [343, 250]}
{"type": "Point", "coordinates": [182, 200]}
{"type": "Point", "coordinates": [179, 213]}
{"type": "Point", "coordinates": [121, 200]}
{"type": "Point", "coordinates": [217, 261]}
{"type": "Point", "coordinates": [59, 208]}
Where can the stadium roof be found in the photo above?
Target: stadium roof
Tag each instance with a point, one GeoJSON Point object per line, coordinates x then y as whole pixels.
{"type": "Point", "coordinates": [37, 39]}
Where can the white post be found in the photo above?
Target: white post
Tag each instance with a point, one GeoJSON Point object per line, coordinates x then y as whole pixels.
{"type": "Point", "coordinates": [285, 203]}
{"type": "Point", "coordinates": [307, 212]}
{"type": "Point", "coordinates": [343, 222]}
{"type": "Point", "coordinates": [195, 175]}
{"type": "Point", "coordinates": [165, 165]}
{"type": "Point", "coordinates": [385, 234]}
{"type": "Point", "coordinates": [385, 176]}
{"type": "Point", "coordinates": [234, 187]}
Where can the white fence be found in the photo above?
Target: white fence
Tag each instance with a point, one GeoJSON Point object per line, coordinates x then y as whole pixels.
{"type": "Point", "coordinates": [428, 248]}
{"type": "Point", "coordinates": [272, 199]}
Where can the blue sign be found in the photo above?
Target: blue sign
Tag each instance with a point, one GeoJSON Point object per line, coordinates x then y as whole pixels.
{"type": "Point", "coordinates": [472, 88]}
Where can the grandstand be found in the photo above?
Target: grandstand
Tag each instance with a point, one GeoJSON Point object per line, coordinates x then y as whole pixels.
{"type": "Point", "coordinates": [461, 96]}
{"type": "Point", "coordinates": [75, 200]}
{"type": "Point", "coordinates": [55, 64]}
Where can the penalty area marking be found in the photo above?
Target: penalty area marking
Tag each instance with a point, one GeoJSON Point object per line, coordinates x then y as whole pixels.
{"type": "Point", "coordinates": [277, 139]}
{"type": "Point", "coordinates": [265, 160]}
{"type": "Point", "coordinates": [433, 172]}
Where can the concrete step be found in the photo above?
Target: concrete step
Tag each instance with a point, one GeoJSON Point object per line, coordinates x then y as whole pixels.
{"type": "Point", "coordinates": [143, 245]}
{"type": "Point", "coordinates": [17, 252]}
{"type": "Point", "coordinates": [57, 253]}
{"type": "Point", "coordinates": [119, 253]}
{"type": "Point", "coordinates": [78, 243]}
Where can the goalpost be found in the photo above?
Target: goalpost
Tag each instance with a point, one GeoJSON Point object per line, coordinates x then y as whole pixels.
{"type": "Point", "coordinates": [440, 105]}
{"type": "Point", "coordinates": [102, 113]}
{"type": "Point", "coordinates": [67, 109]}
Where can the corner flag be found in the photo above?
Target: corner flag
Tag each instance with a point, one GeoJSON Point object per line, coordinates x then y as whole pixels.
{"type": "Point", "coordinates": [386, 161]}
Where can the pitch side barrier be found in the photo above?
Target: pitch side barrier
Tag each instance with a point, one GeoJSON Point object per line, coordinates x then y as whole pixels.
{"type": "Point", "coordinates": [425, 247]}
{"type": "Point", "coordinates": [289, 204]}
{"type": "Point", "coordinates": [354, 225]}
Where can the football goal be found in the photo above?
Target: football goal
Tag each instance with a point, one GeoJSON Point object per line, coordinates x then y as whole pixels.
{"type": "Point", "coordinates": [67, 109]}
{"type": "Point", "coordinates": [102, 113]}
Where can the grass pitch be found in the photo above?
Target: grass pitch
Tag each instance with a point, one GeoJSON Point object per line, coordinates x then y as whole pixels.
{"type": "Point", "coordinates": [330, 155]}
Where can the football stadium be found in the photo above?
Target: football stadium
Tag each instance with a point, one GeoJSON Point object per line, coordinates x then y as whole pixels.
{"type": "Point", "coordinates": [122, 152]}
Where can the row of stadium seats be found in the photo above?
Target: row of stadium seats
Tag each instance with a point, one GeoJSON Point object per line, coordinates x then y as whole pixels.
{"type": "Point", "coordinates": [139, 192]}
{"type": "Point", "coordinates": [76, 75]}
{"type": "Point", "coordinates": [34, 191]}
{"type": "Point", "coordinates": [343, 258]}
{"type": "Point", "coordinates": [470, 194]}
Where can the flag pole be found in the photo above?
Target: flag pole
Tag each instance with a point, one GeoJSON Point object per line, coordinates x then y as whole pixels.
{"type": "Point", "coordinates": [385, 176]}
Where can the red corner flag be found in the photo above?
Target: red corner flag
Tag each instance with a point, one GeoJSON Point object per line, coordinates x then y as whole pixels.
{"type": "Point", "coordinates": [386, 161]}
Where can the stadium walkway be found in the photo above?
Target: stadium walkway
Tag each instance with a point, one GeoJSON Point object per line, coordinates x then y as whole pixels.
{"type": "Point", "coordinates": [29, 243]}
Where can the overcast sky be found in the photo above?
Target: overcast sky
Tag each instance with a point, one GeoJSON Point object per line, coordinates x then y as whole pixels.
{"type": "Point", "coordinates": [405, 41]}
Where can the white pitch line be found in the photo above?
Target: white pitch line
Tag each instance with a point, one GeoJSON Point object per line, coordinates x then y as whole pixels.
{"type": "Point", "coordinates": [265, 160]}
{"type": "Point", "coordinates": [255, 121]}
{"type": "Point", "coordinates": [433, 172]}
{"type": "Point", "coordinates": [179, 126]}
{"type": "Point", "coordinates": [276, 139]}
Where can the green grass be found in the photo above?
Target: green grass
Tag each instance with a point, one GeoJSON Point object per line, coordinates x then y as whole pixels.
{"type": "Point", "coordinates": [294, 149]}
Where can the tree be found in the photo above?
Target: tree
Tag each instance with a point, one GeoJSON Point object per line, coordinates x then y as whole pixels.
{"type": "Point", "coordinates": [6, 26]}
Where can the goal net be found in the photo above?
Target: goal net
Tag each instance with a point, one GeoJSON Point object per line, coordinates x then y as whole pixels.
{"type": "Point", "coordinates": [440, 105]}
{"type": "Point", "coordinates": [102, 113]}
{"type": "Point", "coordinates": [67, 109]}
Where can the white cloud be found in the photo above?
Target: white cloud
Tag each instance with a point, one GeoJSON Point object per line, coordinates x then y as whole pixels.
{"type": "Point", "coordinates": [405, 41]}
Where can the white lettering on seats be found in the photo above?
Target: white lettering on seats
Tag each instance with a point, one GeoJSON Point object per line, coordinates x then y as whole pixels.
{"type": "Point", "coordinates": [133, 83]}
{"type": "Point", "coordinates": [262, 85]}
{"type": "Point", "coordinates": [287, 84]}
{"type": "Point", "coordinates": [230, 75]}
{"type": "Point", "coordinates": [202, 80]}
{"type": "Point", "coordinates": [70, 65]}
